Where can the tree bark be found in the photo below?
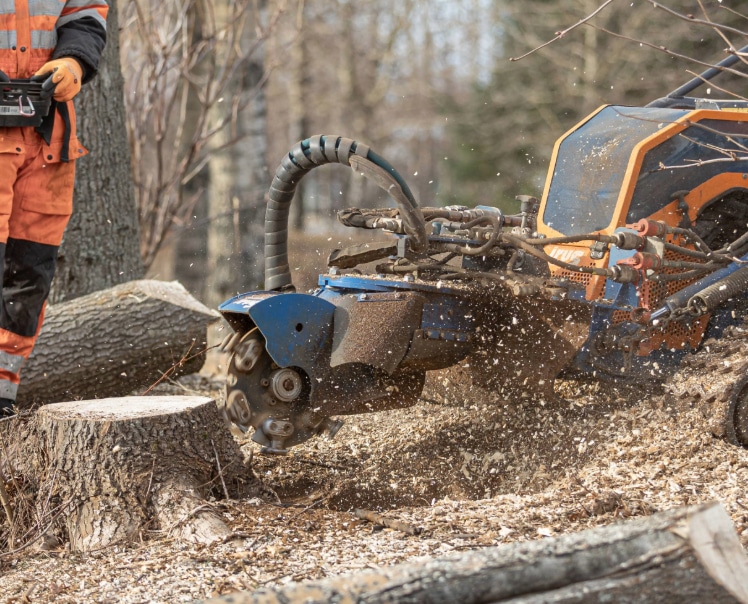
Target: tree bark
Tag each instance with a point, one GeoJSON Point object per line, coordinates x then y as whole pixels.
{"type": "Point", "coordinates": [238, 171]}
{"type": "Point", "coordinates": [689, 554]}
{"type": "Point", "coordinates": [238, 175]}
{"type": "Point", "coordinates": [112, 342]}
{"type": "Point", "coordinates": [101, 247]}
{"type": "Point", "coordinates": [116, 465]}
{"type": "Point", "coordinates": [298, 118]}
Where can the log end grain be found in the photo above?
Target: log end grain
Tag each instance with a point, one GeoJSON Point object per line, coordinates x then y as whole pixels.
{"type": "Point", "coordinates": [123, 408]}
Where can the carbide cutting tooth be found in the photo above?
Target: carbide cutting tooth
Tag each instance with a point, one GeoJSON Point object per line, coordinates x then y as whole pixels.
{"type": "Point", "coordinates": [230, 341]}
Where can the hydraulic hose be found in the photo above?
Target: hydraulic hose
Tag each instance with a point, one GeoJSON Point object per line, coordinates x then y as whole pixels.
{"type": "Point", "coordinates": [317, 151]}
{"type": "Point", "coordinates": [534, 251]}
{"type": "Point", "coordinates": [486, 247]}
{"type": "Point", "coordinates": [718, 293]}
{"type": "Point", "coordinates": [719, 277]}
{"type": "Point", "coordinates": [688, 252]}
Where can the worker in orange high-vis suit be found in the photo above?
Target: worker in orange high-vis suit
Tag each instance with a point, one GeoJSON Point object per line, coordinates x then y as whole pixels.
{"type": "Point", "coordinates": [60, 43]}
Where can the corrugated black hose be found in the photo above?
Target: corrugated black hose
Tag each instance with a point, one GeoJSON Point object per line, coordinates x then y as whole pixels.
{"type": "Point", "coordinates": [317, 151]}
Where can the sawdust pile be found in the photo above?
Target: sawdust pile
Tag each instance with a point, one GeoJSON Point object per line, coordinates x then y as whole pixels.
{"type": "Point", "coordinates": [468, 470]}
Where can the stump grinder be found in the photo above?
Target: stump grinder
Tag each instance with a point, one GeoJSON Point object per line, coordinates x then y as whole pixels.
{"type": "Point", "coordinates": [635, 256]}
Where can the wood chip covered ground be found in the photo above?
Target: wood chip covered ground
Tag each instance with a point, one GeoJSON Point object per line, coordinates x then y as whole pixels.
{"type": "Point", "coordinates": [466, 471]}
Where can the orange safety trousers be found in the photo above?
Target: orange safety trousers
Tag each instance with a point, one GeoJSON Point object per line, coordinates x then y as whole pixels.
{"type": "Point", "coordinates": [36, 201]}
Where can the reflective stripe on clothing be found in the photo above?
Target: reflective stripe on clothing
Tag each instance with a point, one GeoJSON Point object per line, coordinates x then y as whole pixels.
{"type": "Point", "coordinates": [8, 389]}
{"type": "Point", "coordinates": [36, 200]}
{"type": "Point", "coordinates": [30, 31]}
{"type": "Point", "coordinates": [75, 9]}
{"type": "Point", "coordinates": [43, 39]}
{"type": "Point", "coordinates": [11, 362]}
{"type": "Point", "coordinates": [77, 4]}
{"type": "Point", "coordinates": [90, 12]}
{"type": "Point", "coordinates": [45, 7]}
{"type": "Point", "coordinates": [21, 346]}
{"type": "Point", "coordinates": [7, 40]}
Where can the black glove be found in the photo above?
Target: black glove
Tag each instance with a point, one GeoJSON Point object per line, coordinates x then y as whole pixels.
{"type": "Point", "coordinates": [4, 77]}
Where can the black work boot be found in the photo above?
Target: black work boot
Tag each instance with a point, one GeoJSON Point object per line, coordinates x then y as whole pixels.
{"type": "Point", "coordinates": [6, 408]}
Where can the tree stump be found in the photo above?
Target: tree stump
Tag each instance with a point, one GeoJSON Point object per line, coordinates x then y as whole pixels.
{"type": "Point", "coordinates": [112, 342]}
{"type": "Point", "coordinates": [689, 554]}
{"type": "Point", "coordinates": [115, 467]}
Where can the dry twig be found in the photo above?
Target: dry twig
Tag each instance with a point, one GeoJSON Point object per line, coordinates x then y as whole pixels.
{"type": "Point", "coordinates": [397, 525]}
{"type": "Point", "coordinates": [220, 472]}
{"type": "Point", "coordinates": [185, 358]}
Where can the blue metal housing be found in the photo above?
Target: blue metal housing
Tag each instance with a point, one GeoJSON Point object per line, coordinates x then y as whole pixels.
{"type": "Point", "coordinates": [299, 328]}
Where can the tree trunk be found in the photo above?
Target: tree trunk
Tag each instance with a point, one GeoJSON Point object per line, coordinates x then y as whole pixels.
{"type": "Point", "coordinates": [189, 241]}
{"type": "Point", "coordinates": [102, 245]}
{"type": "Point", "coordinates": [112, 342]}
{"type": "Point", "coordinates": [114, 465]}
{"type": "Point", "coordinates": [238, 179]}
{"type": "Point", "coordinates": [689, 554]}
{"type": "Point", "coordinates": [298, 119]}
{"type": "Point", "coordinates": [238, 173]}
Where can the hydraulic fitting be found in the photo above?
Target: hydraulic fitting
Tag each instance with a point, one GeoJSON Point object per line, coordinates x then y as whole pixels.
{"type": "Point", "coordinates": [629, 241]}
{"type": "Point", "coordinates": [649, 228]}
{"type": "Point", "coordinates": [623, 273]}
{"type": "Point", "coordinates": [643, 261]}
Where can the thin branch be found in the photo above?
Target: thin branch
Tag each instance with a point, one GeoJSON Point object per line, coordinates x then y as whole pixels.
{"type": "Point", "coordinates": [561, 34]}
{"type": "Point", "coordinates": [723, 151]}
{"type": "Point", "coordinates": [5, 499]}
{"type": "Point", "coordinates": [185, 358]}
{"type": "Point", "coordinates": [716, 87]}
{"type": "Point", "coordinates": [170, 64]}
{"type": "Point", "coordinates": [692, 19]}
{"type": "Point", "coordinates": [189, 515]}
{"type": "Point", "coordinates": [734, 12]}
{"type": "Point", "coordinates": [690, 124]}
{"type": "Point", "coordinates": [701, 162]}
{"type": "Point", "coordinates": [41, 534]}
{"type": "Point", "coordinates": [667, 51]}
{"type": "Point", "coordinates": [718, 29]}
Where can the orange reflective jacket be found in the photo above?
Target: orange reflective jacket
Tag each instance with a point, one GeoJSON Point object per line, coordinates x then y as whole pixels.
{"type": "Point", "coordinates": [34, 31]}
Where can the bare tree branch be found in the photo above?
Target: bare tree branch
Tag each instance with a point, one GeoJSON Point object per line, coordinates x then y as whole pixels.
{"type": "Point", "coordinates": [702, 162]}
{"type": "Point", "coordinates": [668, 51]}
{"type": "Point", "coordinates": [719, 31]}
{"type": "Point", "coordinates": [692, 19]}
{"type": "Point", "coordinates": [561, 34]}
{"type": "Point", "coordinates": [716, 87]}
{"type": "Point", "coordinates": [173, 59]}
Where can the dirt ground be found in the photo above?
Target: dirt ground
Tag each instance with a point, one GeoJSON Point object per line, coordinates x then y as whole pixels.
{"type": "Point", "coordinates": [468, 470]}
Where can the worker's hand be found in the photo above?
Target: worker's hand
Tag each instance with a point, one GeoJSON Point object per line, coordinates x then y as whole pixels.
{"type": "Point", "coordinates": [62, 78]}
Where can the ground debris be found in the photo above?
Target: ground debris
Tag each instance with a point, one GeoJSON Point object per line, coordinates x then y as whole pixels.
{"type": "Point", "coordinates": [471, 474]}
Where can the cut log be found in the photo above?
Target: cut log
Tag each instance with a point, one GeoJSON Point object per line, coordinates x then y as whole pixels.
{"type": "Point", "coordinates": [686, 555]}
{"type": "Point", "coordinates": [115, 467]}
{"type": "Point", "coordinates": [113, 342]}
